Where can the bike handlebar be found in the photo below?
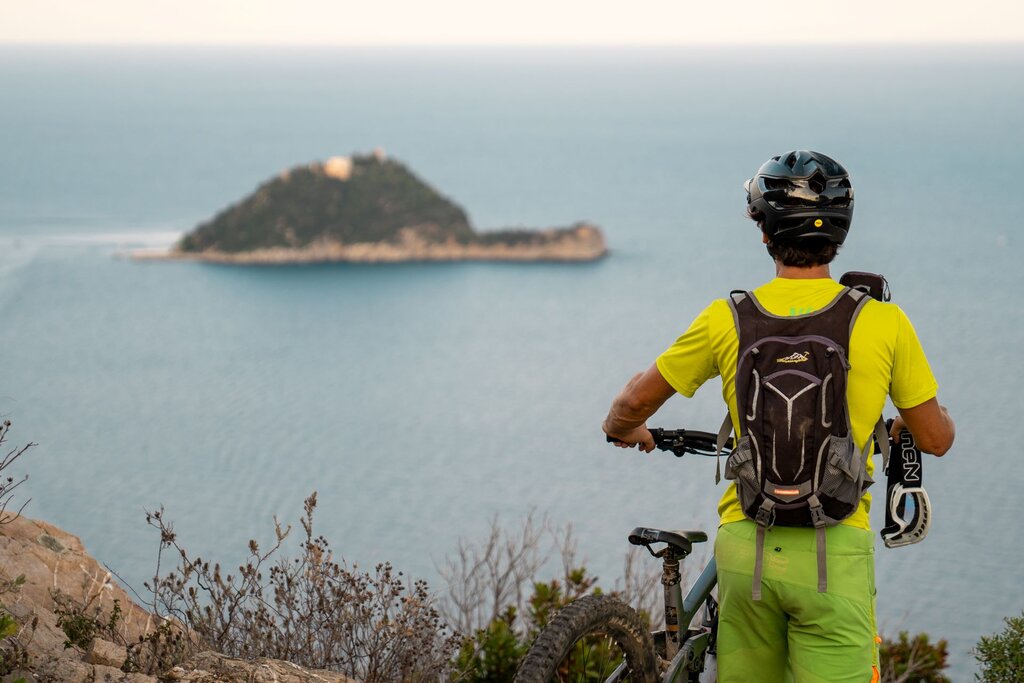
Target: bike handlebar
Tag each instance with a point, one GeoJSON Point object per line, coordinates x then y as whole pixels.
{"type": "Point", "coordinates": [679, 442]}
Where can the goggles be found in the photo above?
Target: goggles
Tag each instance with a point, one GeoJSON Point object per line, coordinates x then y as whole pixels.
{"type": "Point", "coordinates": [909, 515]}
{"type": "Point", "coordinates": [908, 512]}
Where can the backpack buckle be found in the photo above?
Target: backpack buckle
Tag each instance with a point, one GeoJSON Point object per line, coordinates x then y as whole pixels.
{"type": "Point", "coordinates": [765, 514]}
{"type": "Point", "coordinates": [818, 518]}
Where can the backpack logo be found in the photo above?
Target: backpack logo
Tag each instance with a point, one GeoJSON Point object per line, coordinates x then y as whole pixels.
{"type": "Point", "coordinates": [795, 357]}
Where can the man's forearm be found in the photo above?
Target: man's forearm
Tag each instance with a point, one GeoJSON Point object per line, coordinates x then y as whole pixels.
{"type": "Point", "coordinates": [931, 425]}
{"type": "Point", "coordinates": [627, 412]}
{"type": "Point", "coordinates": [638, 400]}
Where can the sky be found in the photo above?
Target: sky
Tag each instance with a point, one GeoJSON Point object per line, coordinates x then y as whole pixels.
{"type": "Point", "coordinates": [508, 22]}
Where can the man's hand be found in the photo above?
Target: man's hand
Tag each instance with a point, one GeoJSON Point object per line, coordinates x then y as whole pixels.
{"type": "Point", "coordinates": [637, 401]}
{"type": "Point", "coordinates": [638, 436]}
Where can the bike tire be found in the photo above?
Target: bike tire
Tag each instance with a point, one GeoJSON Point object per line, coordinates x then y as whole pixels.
{"type": "Point", "coordinates": [593, 621]}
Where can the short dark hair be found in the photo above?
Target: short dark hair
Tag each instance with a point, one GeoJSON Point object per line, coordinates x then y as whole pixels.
{"type": "Point", "coordinates": [803, 254]}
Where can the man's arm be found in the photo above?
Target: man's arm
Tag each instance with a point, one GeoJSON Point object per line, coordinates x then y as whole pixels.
{"type": "Point", "coordinates": [931, 425]}
{"type": "Point", "coordinates": [638, 400]}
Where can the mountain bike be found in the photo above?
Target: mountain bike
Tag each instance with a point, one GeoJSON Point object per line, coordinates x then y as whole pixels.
{"type": "Point", "coordinates": [599, 638]}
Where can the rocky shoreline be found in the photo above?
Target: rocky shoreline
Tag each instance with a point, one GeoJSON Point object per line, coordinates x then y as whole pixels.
{"type": "Point", "coordinates": [579, 243]}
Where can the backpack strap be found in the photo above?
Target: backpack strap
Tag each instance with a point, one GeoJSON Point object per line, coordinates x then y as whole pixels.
{"type": "Point", "coordinates": [882, 437]}
{"type": "Point", "coordinates": [818, 518]}
{"type": "Point", "coordinates": [861, 298]}
{"type": "Point", "coordinates": [765, 519]}
{"type": "Point", "coordinates": [723, 436]}
{"type": "Point", "coordinates": [736, 297]}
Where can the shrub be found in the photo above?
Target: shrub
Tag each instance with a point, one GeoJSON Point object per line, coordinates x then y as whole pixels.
{"type": "Point", "coordinates": [498, 600]}
{"type": "Point", "coordinates": [1001, 656]}
{"type": "Point", "coordinates": [12, 651]}
{"type": "Point", "coordinates": [310, 610]}
{"type": "Point", "coordinates": [913, 660]}
{"type": "Point", "coordinates": [7, 482]}
{"type": "Point", "coordinates": [81, 620]}
{"type": "Point", "coordinates": [493, 654]}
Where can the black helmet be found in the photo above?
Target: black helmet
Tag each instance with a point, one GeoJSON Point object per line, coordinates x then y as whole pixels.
{"type": "Point", "coordinates": [801, 195]}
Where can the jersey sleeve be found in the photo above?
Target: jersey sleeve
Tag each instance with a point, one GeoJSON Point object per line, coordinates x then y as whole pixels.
{"type": "Point", "coordinates": [912, 380]}
{"type": "Point", "coordinates": [690, 361]}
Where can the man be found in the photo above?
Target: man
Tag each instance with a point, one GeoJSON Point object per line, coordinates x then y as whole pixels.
{"type": "Point", "coordinates": [803, 202]}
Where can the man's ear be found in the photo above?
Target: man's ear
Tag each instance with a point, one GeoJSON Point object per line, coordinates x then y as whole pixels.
{"type": "Point", "coordinates": [764, 237]}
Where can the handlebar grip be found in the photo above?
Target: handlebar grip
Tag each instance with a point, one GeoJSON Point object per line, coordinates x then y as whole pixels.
{"type": "Point", "coordinates": [656, 432]}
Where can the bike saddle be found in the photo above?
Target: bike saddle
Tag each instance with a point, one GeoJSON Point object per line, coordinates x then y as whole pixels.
{"type": "Point", "coordinates": [681, 541]}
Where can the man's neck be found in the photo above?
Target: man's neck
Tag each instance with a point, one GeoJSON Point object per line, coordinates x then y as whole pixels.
{"type": "Point", "coordinates": [794, 273]}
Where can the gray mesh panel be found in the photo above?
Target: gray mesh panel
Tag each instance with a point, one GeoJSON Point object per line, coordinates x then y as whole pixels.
{"type": "Point", "coordinates": [843, 475]}
{"type": "Point", "coordinates": [740, 467]}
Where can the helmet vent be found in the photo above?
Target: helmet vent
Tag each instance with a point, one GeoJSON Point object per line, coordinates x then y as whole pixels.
{"type": "Point", "coordinates": [777, 184]}
{"type": "Point", "coordinates": [817, 182]}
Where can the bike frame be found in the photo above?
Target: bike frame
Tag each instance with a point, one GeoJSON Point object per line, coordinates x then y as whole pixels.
{"type": "Point", "coordinates": [679, 609]}
{"type": "Point", "coordinates": [697, 641]}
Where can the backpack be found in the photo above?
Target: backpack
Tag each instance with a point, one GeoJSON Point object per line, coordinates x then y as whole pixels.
{"type": "Point", "coordinates": [794, 461]}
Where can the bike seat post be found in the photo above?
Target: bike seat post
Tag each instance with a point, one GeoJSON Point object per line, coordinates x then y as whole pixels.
{"type": "Point", "coordinates": [671, 579]}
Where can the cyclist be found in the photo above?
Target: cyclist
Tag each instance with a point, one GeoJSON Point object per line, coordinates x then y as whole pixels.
{"type": "Point", "coordinates": [803, 202]}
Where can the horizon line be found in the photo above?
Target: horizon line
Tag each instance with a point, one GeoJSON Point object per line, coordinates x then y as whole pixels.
{"type": "Point", "coordinates": [501, 45]}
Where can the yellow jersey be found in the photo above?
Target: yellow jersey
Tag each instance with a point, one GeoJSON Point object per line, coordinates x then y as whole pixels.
{"type": "Point", "coordinates": [886, 359]}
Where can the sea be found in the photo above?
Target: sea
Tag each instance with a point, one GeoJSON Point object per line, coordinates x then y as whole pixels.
{"type": "Point", "coordinates": [424, 402]}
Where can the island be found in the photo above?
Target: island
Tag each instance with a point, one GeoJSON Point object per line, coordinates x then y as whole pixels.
{"type": "Point", "coordinates": [366, 209]}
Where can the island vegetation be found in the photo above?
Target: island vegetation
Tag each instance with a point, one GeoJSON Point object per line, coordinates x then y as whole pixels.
{"type": "Point", "coordinates": [366, 208]}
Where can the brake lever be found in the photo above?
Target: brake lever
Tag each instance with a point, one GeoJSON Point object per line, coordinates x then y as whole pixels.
{"type": "Point", "coordinates": [677, 447]}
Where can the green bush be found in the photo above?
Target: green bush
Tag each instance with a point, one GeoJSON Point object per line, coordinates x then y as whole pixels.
{"type": "Point", "coordinates": [12, 652]}
{"type": "Point", "coordinates": [493, 654]}
{"type": "Point", "coordinates": [1001, 656]}
{"type": "Point", "coordinates": [914, 659]}
{"type": "Point", "coordinates": [8, 626]}
{"type": "Point", "coordinates": [83, 622]}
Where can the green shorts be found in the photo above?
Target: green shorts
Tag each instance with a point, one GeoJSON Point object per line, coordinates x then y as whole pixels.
{"type": "Point", "coordinates": [795, 633]}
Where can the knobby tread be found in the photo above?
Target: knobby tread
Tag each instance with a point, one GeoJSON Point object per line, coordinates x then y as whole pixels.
{"type": "Point", "coordinates": [591, 613]}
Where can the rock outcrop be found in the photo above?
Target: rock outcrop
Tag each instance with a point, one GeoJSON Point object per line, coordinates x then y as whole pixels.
{"type": "Point", "coordinates": [579, 243]}
{"type": "Point", "coordinates": [210, 667]}
{"type": "Point", "coordinates": [54, 562]}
